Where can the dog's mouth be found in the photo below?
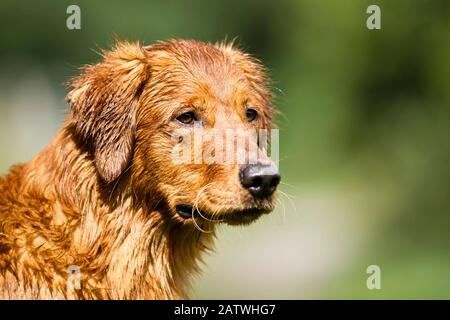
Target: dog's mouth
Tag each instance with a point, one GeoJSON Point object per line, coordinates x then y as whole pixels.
{"type": "Point", "coordinates": [233, 217]}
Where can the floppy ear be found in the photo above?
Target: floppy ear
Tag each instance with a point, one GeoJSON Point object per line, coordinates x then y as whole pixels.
{"type": "Point", "coordinates": [103, 102]}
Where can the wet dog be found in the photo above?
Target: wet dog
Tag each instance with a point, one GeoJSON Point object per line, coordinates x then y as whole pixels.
{"type": "Point", "coordinates": [104, 212]}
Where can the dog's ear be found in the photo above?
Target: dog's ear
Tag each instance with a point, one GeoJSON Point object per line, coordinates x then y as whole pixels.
{"type": "Point", "coordinates": [103, 101]}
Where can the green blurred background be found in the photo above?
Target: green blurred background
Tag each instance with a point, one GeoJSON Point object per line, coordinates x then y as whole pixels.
{"type": "Point", "coordinates": [364, 132]}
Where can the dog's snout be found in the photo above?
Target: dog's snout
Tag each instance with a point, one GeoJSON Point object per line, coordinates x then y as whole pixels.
{"type": "Point", "coordinates": [260, 180]}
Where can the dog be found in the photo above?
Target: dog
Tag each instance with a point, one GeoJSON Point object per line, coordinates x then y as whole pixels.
{"type": "Point", "coordinates": [104, 211]}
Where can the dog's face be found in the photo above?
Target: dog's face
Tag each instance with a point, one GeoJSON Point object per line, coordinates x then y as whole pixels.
{"type": "Point", "coordinates": [183, 115]}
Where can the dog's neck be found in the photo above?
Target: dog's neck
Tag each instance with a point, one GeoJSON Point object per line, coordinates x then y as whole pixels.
{"type": "Point", "coordinates": [123, 250]}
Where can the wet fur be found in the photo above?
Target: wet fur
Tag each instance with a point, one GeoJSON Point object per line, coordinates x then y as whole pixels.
{"type": "Point", "coordinates": [101, 195]}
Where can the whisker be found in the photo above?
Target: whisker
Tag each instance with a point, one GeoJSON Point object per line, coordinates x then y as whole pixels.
{"type": "Point", "coordinates": [215, 213]}
{"type": "Point", "coordinates": [289, 185]}
{"type": "Point", "coordinates": [290, 200]}
{"type": "Point", "coordinates": [196, 224]}
{"type": "Point", "coordinates": [118, 180]}
{"type": "Point", "coordinates": [199, 193]}
{"type": "Point", "coordinates": [283, 215]}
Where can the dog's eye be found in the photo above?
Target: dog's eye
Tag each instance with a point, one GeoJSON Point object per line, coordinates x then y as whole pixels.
{"type": "Point", "coordinates": [187, 117]}
{"type": "Point", "coordinates": [251, 114]}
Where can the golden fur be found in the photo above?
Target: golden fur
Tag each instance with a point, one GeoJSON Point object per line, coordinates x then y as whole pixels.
{"type": "Point", "coordinates": [101, 196]}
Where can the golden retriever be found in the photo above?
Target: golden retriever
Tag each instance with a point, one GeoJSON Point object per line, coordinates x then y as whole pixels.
{"type": "Point", "coordinates": [104, 211]}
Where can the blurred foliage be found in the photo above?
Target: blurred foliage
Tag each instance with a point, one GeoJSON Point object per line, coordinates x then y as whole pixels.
{"type": "Point", "coordinates": [367, 108]}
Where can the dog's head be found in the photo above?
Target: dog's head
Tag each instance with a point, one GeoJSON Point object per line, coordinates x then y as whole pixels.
{"type": "Point", "coordinates": [184, 117]}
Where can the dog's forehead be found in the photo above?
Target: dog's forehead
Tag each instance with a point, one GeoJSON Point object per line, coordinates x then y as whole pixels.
{"type": "Point", "coordinates": [203, 67]}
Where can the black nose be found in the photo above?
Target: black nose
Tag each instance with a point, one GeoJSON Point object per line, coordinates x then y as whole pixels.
{"type": "Point", "coordinates": [260, 180]}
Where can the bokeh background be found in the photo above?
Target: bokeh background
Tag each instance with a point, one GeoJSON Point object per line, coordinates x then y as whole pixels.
{"type": "Point", "coordinates": [364, 131]}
